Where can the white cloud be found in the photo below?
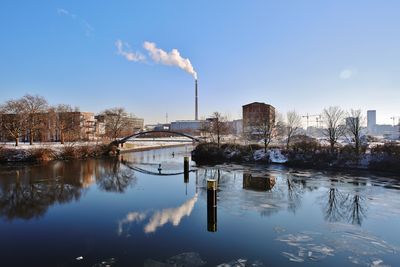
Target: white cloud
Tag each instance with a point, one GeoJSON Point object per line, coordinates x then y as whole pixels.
{"type": "Point", "coordinates": [88, 28]}
{"type": "Point", "coordinates": [124, 50]}
{"type": "Point", "coordinates": [83, 23]}
{"type": "Point", "coordinates": [347, 74]}
{"type": "Point", "coordinates": [62, 11]}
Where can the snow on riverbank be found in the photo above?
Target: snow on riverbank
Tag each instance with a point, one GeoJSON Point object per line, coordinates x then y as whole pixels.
{"type": "Point", "coordinates": [274, 155]}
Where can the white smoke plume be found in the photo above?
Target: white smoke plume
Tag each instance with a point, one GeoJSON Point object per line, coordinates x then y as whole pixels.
{"type": "Point", "coordinates": [124, 50]}
{"type": "Point", "coordinates": [172, 58]}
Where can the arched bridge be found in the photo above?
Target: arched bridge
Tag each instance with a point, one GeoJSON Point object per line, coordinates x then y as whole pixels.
{"type": "Point", "coordinates": [135, 135]}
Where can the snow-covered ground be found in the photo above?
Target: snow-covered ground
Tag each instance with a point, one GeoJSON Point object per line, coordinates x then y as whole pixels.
{"type": "Point", "coordinates": [145, 143]}
{"type": "Point", "coordinates": [275, 155]}
{"type": "Point", "coordinates": [50, 145]}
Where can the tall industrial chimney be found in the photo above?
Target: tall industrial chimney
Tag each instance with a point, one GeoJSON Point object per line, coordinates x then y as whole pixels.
{"type": "Point", "coordinates": [196, 111]}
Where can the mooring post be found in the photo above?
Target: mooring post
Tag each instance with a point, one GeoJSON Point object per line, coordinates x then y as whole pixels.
{"type": "Point", "coordinates": [186, 170]}
{"type": "Point", "coordinates": [186, 164]}
{"type": "Point", "coordinates": [211, 205]}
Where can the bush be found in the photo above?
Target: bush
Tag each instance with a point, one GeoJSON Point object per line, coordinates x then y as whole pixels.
{"type": "Point", "coordinates": [41, 154]}
{"type": "Point", "coordinates": [391, 149]}
{"type": "Point", "coordinates": [207, 152]}
{"type": "Point", "coordinates": [306, 146]}
{"type": "Point", "coordinates": [210, 153]}
{"type": "Point", "coordinates": [385, 157]}
{"type": "Point", "coordinates": [67, 152]}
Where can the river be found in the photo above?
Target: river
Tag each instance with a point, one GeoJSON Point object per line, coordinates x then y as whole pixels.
{"type": "Point", "coordinates": [132, 211]}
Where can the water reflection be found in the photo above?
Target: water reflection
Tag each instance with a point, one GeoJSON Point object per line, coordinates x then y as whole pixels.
{"type": "Point", "coordinates": [158, 217]}
{"type": "Point", "coordinates": [355, 220]}
{"type": "Point", "coordinates": [114, 178]}
{"type": "Point", "coordinates": [258, 183]}
{"type": "Point", "coordinates": [170, 215]}
{"type": "Point", "coordinates": [27, 192]}
{"type": "Point", "coordinates": [347, 207]}
{"type": "Point", "coordinates": [28, 198]}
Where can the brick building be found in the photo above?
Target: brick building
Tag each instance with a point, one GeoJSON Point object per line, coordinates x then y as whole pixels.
{"type": "Point", "coordinates": [255, 115]}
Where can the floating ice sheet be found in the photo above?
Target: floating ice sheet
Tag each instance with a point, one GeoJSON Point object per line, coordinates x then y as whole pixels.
{"type": "Point", "coordinates": [365, 248]}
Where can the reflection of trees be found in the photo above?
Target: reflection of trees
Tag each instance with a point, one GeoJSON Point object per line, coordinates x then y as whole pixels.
{"type": "Point", "coordinates": [114, 177]}
{"type": "Point", "coordinates": [29, 194]}
{"type": "Point", "coordinates": [350, 207]}
{"type": "Point", "coordinates": [355, 206]}
{"type": "Point", "coordinates": [333, 212]}
{"type": "Point", "coordinates": [294, 193]}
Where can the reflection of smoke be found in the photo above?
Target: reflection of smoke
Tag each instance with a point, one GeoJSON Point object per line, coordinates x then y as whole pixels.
{"type": "Point", "coordinates": [172, 58]}
{"type": "Point", "coordinates": [159, 218]}
{"type": "Point", "coordinates": [130, 218]}
{"type": "Point", "coordinates": [173, 215]}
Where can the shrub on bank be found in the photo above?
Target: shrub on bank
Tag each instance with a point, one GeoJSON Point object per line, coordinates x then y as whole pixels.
{"type": "Point", "coordinates": [40, 154]}
{"type": "Point", "coordinates": [385, 157]}
{"type": "Point", "coordinates": [43, 154]}
{"type": "Point", "coordinates": [83, 152]}
{"type": "Point", "coordinates": [211, 153]}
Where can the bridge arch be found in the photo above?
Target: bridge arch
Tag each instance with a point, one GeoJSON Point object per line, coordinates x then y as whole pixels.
{"type": "Point", "coordinates": [123, 140]}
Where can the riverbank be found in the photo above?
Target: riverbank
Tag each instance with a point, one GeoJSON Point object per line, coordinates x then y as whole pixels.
{"type": "Point", "coordinates": [385, 158]}
{"type": "Point", "coordinates": [50, 151]}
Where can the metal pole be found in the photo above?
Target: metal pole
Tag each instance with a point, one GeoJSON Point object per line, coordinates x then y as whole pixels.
{"type": "Point", "coordinates": [211, 205]}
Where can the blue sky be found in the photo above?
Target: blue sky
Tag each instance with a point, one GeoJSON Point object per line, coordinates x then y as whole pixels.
{"type": "Point", "coordinates": [302, 55]}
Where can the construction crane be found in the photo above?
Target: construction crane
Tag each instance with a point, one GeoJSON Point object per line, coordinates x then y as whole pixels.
{"type": "Point", "coordinates": [394, 118]}
{"type": "Point", "coordinates": [308, 116]}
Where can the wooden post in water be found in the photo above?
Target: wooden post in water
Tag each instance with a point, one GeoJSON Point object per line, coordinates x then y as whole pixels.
{"type": "Point", "coordinates": [211, 205]}
{"type": "Point", "coordinates": [186, 170]}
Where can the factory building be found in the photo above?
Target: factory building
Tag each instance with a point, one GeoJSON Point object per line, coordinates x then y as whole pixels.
{"type": "Point", "coordinates": [256, 115]}
{"type": "Point", "coordinates": [186, 126]}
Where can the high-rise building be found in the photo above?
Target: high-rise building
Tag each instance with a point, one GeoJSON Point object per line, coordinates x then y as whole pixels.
{"type": "Point", "coordinates": [371, 121]}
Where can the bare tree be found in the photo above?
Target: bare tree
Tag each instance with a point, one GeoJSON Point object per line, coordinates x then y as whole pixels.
{"type": "Point", "coordinates": [266, 128]}
{"type": "Point", "coordinates": [206, 130]}
{"type": "Point", "coordinates": [334, 128]}
{"type": "Point", "coordinates": [293, 124]}
{"type": "Point", "coordinates": [63, 118]}
{"type": "Point", "coordinates": [218, 126]}
{"type": "Point", "coordinates": [354, 123]}
{"type": "Point", "coordinates": [13, 117]}
{"type": "Point", "coordinates": [116, 122]}
{"type": "Point", "coordinates": [35, 107]}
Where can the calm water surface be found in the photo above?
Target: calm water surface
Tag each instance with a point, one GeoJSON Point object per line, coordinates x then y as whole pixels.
{"type": "Point", "coordinates": [122, 212]}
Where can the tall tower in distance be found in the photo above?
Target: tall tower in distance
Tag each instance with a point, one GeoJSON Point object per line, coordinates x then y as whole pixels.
{"type": "Point", "coordinates": [196, 111]}
{"type": "Point", "coordinates": [371, 121]}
